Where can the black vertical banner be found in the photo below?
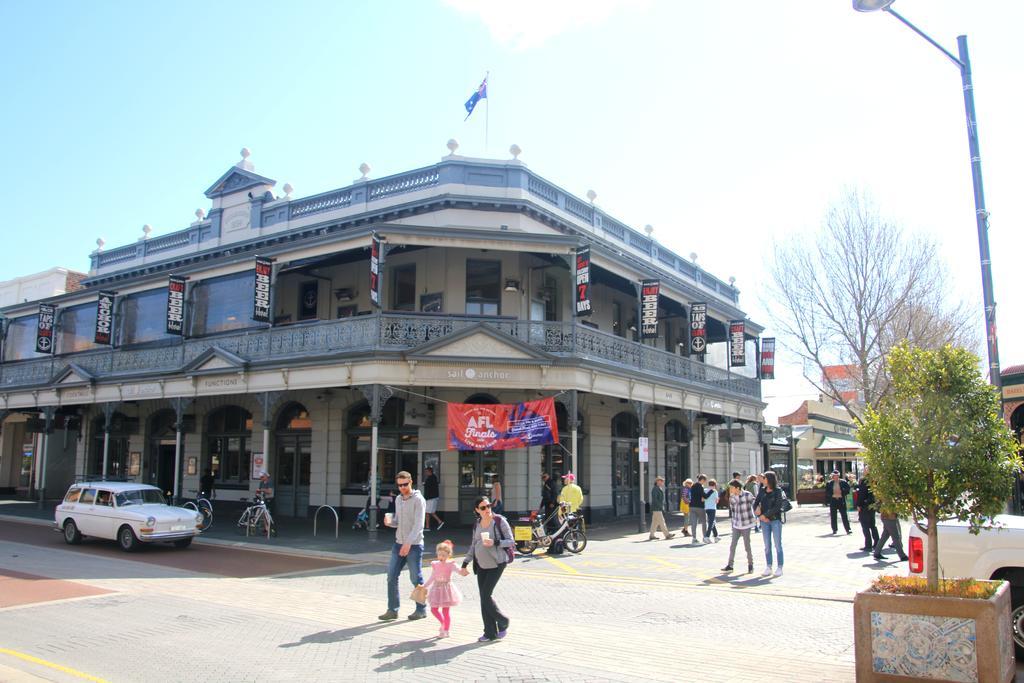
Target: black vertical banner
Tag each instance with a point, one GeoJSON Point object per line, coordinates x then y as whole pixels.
{"type": "Point", "coordinates": [261, 290]}
{"type": "Point", "coordinates": [583, 302]}
{"type": "Point", "coordinates": [105, 318]}
{"type": "Point", "coordinates": [698, 328]}
{"type": "Point", "coordinates": [768, 358]}
{"type": "Point", "coordinates": [649, 291]}
{"type": "Point", "coordinates": [737, 343]}
{"type": "Point", "coordinates": [375, 270]}
{"type": "Point", "coordinates": [176, 305]}
{"type": "Point", "coordinates": [44, 328]}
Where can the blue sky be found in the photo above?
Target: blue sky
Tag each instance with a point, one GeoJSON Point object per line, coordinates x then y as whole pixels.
{"type": "Point", "coordinates": [723, 124]}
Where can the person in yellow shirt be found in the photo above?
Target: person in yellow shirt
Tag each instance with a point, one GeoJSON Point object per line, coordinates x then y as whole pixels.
{"type": "Point", "coordinates": [571, 493]}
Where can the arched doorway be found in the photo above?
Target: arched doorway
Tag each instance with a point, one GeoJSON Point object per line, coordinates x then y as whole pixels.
{"type": "Point", "coordinates": [161, 450]}
{"type": "Point", "coordinates": [677, 460]}
{"type": "Point", "coordinates": [625, 464]}
{"type": "Point", "coordinates": [477, 470]}
{"type": "Point", "coordinates": [121, 427]}
{"type": "Point", "coordinates": [293, 438]}
{"type": "Point", "coordinates": [228, 438]}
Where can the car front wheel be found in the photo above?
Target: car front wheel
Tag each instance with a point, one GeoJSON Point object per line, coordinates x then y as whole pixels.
{"type": "Point", "coordinates": [1017, 626]}
{"type": "Point", "coordinates": [126, 539]}
{"type": "Point", "coordinates": [72, 536]}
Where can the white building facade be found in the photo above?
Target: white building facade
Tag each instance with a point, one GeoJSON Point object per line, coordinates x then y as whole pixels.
{"type": "Point", "coordinates": [477, 292]}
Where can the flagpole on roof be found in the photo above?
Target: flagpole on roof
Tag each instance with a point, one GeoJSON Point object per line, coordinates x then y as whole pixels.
{"type": "Point", "coordinates": [487, 116]}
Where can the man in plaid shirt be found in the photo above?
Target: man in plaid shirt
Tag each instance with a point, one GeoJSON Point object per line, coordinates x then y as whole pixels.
{"type": "Point", "coordinates": [741, 513]}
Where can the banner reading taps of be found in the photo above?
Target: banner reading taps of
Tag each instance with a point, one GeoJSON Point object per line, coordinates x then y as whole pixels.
{"type": "Point", "coordinates": [477, 427]}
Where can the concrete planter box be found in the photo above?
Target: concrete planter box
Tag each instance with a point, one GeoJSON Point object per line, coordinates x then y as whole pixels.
{"type": "Point", "coordinates": [907, 638]}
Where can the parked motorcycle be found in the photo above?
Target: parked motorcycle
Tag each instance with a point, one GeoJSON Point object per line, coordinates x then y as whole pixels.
{"type": "Point", "coordinates": [569, 533]}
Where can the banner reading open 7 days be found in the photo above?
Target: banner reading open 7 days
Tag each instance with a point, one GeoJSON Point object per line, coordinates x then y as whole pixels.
{"type": "Point", "coordinates": [478, 427]}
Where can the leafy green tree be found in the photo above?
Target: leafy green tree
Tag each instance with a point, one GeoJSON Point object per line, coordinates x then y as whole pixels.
{"type": "Point", "coordinates": [937, 446]}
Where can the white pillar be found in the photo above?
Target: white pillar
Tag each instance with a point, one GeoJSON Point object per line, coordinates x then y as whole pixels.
{"type": "Point", "coordinates": [106, 451]}
{"type": "Point", "coordinates": [177, 459]}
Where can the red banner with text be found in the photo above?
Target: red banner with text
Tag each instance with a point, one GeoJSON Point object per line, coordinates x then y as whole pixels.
{"type": "Point", "coordinates": [499, 426]}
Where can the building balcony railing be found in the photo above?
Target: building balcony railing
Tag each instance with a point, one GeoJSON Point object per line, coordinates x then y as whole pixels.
{"type": "Point", "coordinates": [381, 332]}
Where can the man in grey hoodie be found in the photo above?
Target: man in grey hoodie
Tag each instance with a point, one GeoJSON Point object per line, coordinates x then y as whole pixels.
{"type": "Point", "coordinates": [410, 509]}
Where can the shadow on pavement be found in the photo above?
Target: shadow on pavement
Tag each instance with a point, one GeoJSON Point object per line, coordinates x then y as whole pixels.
{"type": "Point", "coordinates": [417, 658]}
{"type": "Point", "coordinates": [339, 636]}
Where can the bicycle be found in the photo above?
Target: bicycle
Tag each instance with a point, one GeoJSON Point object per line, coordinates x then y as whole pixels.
{"type": "Point", "coordinates": [255, 516]}
{"type": "Point", "coordinates": [203, 506]}
{"type": "Point", "coordinates": [569, 531]}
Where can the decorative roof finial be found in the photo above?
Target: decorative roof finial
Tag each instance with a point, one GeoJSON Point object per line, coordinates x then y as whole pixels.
{"type": "Point", "coordinates": [515, 150]}
{"type": "Point", "coordinates": [245, 164]}
{"type": "Point", "coordinates": [288, 189]}
{"type": "Point", "coordinates": [591, 195]}
{"type": "Point", "coordinates": [364, 168]}
{"type": "Point", "coordinates": [453, 145]}
{"type": "Point", "coordinates": [200, 214]}
{"type": "Point", "coordinates": [99, 244]}
{"type": "Point", "coordinates": [693, 256]}
{"type": "Point", "coordinates": [732, 281]}
{"type": "Point", "coordinates": [146, 229]}
{"type": "Point", "coordinates": [649, 229]}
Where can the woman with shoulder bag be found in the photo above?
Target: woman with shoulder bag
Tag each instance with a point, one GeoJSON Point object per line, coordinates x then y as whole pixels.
{"type": "Point", "coordinates": [491, 549]}
{"type": "Point", "coordinates": [769, 506]}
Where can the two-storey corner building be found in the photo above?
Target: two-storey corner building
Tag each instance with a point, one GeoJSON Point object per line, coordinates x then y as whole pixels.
{"type": "Point", "coordinates": [476, 281]}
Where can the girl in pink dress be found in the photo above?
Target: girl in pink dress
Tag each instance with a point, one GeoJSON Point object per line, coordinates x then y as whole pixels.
{"type": "Point", "coordinates": [441, 594]}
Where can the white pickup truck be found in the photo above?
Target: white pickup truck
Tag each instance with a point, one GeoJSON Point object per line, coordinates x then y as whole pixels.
{"type": "Point", "coordinates": [996, 552]}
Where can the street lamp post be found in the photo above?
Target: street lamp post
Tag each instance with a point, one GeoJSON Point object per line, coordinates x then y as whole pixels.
{"type": "Point", "coordinates": [981, 214]}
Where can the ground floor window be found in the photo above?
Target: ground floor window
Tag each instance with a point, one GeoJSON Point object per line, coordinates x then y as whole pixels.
{"type": "Point", "coordinates": [229, 446]}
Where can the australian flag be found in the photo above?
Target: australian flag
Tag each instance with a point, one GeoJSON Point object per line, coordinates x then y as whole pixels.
{"type": "Point", "coordinates": [480, 94]}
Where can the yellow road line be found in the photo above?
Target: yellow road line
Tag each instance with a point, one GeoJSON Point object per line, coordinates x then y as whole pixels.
{"type": "Point", "coordinates": [51, 665]}
{"type": "Point", "coordinates": [561, 565]}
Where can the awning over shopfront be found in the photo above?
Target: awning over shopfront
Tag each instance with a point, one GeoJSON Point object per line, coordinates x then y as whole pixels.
{"type": "Point", "coordinates": [834, 443]}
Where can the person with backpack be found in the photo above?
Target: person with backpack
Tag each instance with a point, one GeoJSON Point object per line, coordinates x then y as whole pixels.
{"type": "Point", "coordinates": [769, 505]}
{"type": "Point", "coordinates": [491, 549]}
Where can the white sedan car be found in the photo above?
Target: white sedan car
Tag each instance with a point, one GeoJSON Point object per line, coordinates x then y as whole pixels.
{"type": "Point", "coordinates": [126, 512]}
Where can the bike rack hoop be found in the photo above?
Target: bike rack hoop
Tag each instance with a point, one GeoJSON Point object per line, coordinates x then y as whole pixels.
{"type": "Point", "coordinates": [337, 520]}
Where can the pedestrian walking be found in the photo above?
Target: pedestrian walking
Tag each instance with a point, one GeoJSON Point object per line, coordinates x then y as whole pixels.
{"type": "Point", "coordinates": [835, 493]}
{"type": "Point", "coordinates": [684, 505]}
{"type": "Point", "coordinates": [658, 509]}
{"type": "Point", "coordinates": [442, 595]}
{"type": "Point", "coordinates": [490, 550]}
{"type": "Point", "coordinates": [890, 530]}
{"type": "Point", "coordinates": [497, 499]}
{"type": "Point", "coordinates": [741, 515]}
{"type": "Point", "coordinates": [548, 499]}
{"type": "Point", "coordinates": [710, 509]}
{"type": "Point", "coordinates": [697, 513]}
{"type": "Point", "coordinates": [407, 520]}
{"type": "Point", "coordinates": [768, 506]}
{"type": "Point", "coordinates": [431, 495]}
{"type": "Point", "coordinates": [866, 514]}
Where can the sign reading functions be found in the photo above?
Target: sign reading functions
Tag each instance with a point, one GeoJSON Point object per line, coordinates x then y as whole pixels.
{"type": "Point", "coordinates": [649, 290]}
{"type": "Point", "coordinates": [261, 291]}
{"type": "Point", "coordinates": [105, 318]}
{"type": "Point", "coordinates": [698, 328]}
{"type": "Point", "coordinates": [484, 427]}
{"type": "Point", "coordinates": [375, 270]}
{"type": "Point", "coordinates": [737, 343]}
{"type": "Point", "coordinates": [44, 328]}
{"type": "Point", "coordinates": [176, 305]}
{"type": "Point", "coordinates": [583, 303]}
{"type": "Point", "coordinates": [768, 358]}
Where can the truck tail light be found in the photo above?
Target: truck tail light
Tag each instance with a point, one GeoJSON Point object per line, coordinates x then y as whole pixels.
{"type": "Point", "coordinates": [916, 555]}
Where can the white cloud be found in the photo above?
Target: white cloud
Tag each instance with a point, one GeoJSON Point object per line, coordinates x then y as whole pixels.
{"type": "Point", "coordinates": [525, 24]}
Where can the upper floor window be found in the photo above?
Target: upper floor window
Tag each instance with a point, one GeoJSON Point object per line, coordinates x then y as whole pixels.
{"type": "Point", "coordinates": [78, 328]}
{"type": "Point", "coordinates": [403, 288]}
{"type": "Point", "coordinates": [483, 287]}
{"type": "Point", "coordinates": [222, 303]}
{"type": "Point", "coordinates": [144, 317]}
{"type": "Point", "coordinates": [21, 338]}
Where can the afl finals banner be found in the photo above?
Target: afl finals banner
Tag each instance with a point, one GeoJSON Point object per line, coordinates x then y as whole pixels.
{"type": "Point", "coordinates": [478, 427]}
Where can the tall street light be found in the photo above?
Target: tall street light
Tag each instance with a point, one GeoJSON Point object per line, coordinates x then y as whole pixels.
{"type": "Point", "coordinates": [964, 64]}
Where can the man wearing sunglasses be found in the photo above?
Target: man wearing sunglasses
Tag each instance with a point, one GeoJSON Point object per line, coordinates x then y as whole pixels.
{"type": "Point", "coordinates": [410, 509]}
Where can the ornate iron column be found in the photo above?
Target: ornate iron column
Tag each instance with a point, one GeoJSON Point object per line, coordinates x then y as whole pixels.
{"type": "Point", "coordinates": [108, 415]}
{"type": "Point", "coordinates": [574, 425]}
{"type": "Point", "coordinates": [48, 413]}
{"type": "Point", "coordinates": [641, 413]}
{"type": "Point", "coordinates": [180, 405]}
{"type": "Point", "coordinates": [377, 395]}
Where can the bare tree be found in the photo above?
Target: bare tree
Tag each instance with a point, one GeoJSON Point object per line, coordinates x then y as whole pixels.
{"type": "Point", "coordinates": [854, 291]}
